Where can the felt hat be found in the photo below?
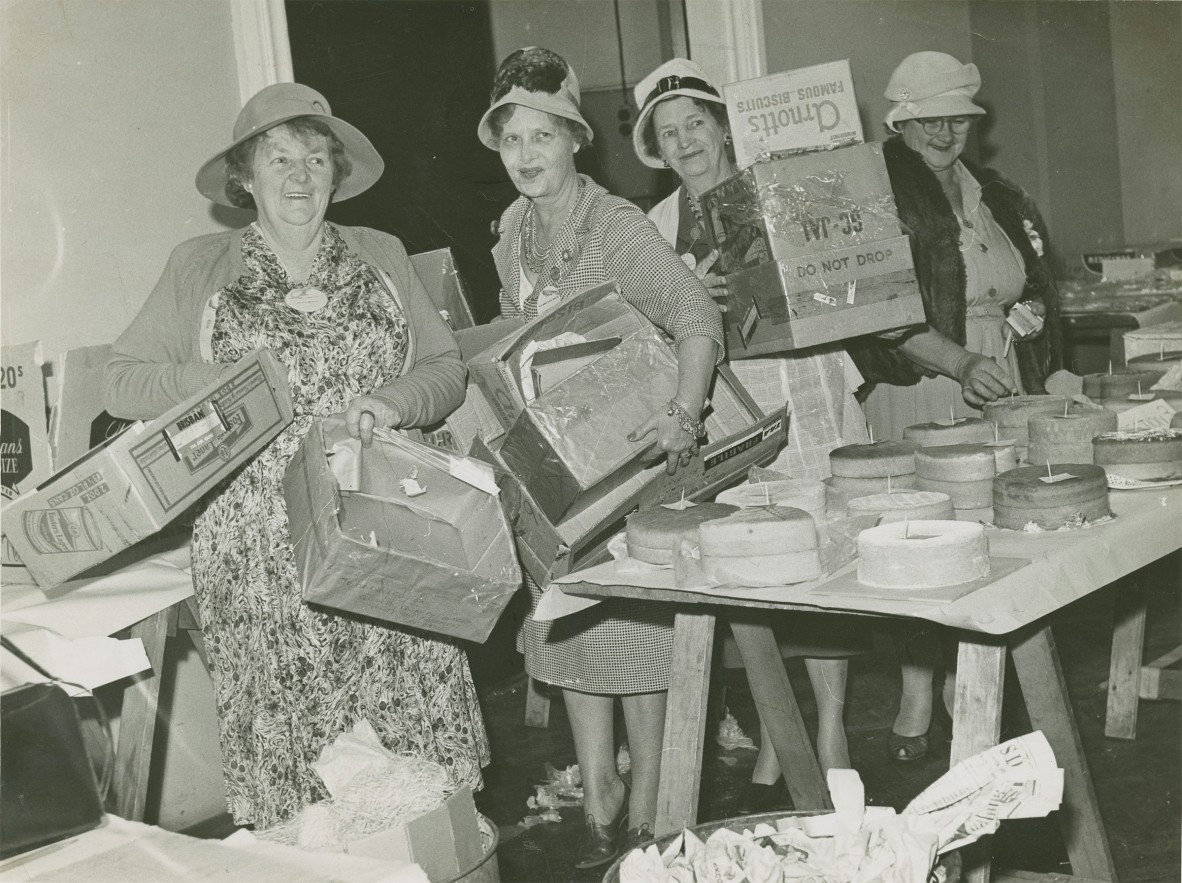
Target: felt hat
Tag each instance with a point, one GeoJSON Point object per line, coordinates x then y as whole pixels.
{"type": "Point", "coordinates": [277, 104]}
{"type": "Point", "coordinates": [538, 78]}
{"type": "Point", "coordinates": [678, 76]}
{"type": "Point", "coordinates": [932, 84]}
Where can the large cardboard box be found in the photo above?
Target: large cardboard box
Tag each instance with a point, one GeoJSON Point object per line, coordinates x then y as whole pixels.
{"type": "Point", "coordinates": [25, 459]}
{"type": "Point", "coordinates": [445, 286]}
{"type": "Point", "coordinates": [595, 314]}
{"type": "Point", "coordinates": [80, 420]}
{"type": "Point", "coordinates": [806, 109]}
{"type": "Point", "coordinates": [572, 441]}
{"type": "Point", "coordinates": [399, 531]}
{"type": "Point", "coordinates": [802, 206]}
{"type": "Point", "coordinates": [142, 479]}
{"type": "Point", "coordinates": [820, 299]}
{"type": "Point", "coordinates": [738, 436]}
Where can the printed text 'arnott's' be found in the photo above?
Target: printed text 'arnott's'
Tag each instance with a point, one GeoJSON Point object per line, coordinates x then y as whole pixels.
{"type": "Point", "coordinates": [792, 108]}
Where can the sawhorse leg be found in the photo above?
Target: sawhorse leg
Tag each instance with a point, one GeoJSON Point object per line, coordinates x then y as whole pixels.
{"type": "Point", "coordinates": [1124, 670]}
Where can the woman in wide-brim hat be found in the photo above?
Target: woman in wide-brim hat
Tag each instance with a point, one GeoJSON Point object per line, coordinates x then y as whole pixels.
{"type": "Point", "coordinates": [682, 125]}
{"type": "Point", "coordinates": [343, 310]}
{"type": "Point", "coordinates": [563, 235]}
{"type": "Point", "coordinates": [978, 242]}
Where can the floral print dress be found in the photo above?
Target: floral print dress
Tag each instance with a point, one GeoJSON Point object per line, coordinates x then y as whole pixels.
{"type": "Point", "coordinates": [288, 679]}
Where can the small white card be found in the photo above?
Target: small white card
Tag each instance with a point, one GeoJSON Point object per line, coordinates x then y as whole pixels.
{"type": "Point", "coordinates": [1151, 415]}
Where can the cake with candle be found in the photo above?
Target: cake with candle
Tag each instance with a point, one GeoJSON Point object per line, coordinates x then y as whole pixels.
{"type": "Point", "coordinates": [800, 493]}
{"type": "Point", "coordinates": [876, 467]}
{"type": "Point", "coordinates": [1067, 437]}
{"type": "Point", "coordinates": [1011, 415]}
{"type": "Point", "coordinates": [953, 431]}
{"type": "Point", "coordinates": [905, 506]}
{"type": "Point", "coordinates": [963, 472]}
{"type": "Point", "coordinates": [922, 554]}
{"type": "Point", "coordinates": [1050, 497]}
{"type": "Point", "coordinates": [1120, 383]}
{"type": "Point", "coordinates": [761, 546]}
{"type": "Point", "coordinates": [653, 534]}
{"type": "Point", "coordinates": [1162, 360]}
{"type": "Point", "coordinates": [1143, 455]}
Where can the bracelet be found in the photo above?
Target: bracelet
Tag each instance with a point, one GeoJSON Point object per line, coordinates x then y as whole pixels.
{"type": "Point", "coordinates": [696, 428]}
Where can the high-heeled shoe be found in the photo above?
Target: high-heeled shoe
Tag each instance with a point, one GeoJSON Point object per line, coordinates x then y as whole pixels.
{"type": "Point", "coordinates": [601, 842]}
{"type": "Point", "coordinates": [907, 748]}
{"type": "Point", "coordinates": [636, 837]}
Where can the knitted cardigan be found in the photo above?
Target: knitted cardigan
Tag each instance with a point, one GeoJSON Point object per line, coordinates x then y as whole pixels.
{"type": "Point", "coordinates": [927, 216]}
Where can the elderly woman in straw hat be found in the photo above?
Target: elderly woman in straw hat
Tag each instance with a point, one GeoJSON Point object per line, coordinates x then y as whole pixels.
{"type": "Point", "coordinates": [343, 310]}
{"type": "Point", "coordinates": [978, 242]}
{"type": "Point", "coordinates": [561, 236]}
{"type": "Point", "coordinates": [682, 125]}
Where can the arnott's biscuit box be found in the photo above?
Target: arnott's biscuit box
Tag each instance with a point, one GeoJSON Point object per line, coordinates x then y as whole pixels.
{"type": "Point", "coordinates": [143, 478]}
{"type": "Point", "coordinates": [806, 109]}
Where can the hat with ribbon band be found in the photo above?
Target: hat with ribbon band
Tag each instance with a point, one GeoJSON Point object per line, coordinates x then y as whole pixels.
{"type": "Point", "coordinates": [678, 76]}
{"type": "Point", "coordinates": [931, 84]}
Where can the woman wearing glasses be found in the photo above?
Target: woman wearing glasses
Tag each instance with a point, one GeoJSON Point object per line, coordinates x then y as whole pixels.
{"type": "Point", "coordinates": [978, 244]}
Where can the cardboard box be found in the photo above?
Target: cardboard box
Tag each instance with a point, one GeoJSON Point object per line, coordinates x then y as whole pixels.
{"type": "Point", "coordinates": [819, 299]}
{"type": "Point", "coordinates": [25, 459]}
{"type": "Point", "coordinates": [80, 422]}
{"type": "Point", "coordinates": [137, 482]}
{"type": "Point", "coordinates": [801, 206]}
{"type": "Point", "coordinates": [572, 441]}
{"type": "Point", "coordinates": [445, 842]}
{"type": "Point", "coordinates": [595, 314]}
{"type": "Point", "coordinates": [806, 109]}
{"type": "Point", "coordinates": [444, 286]}
{"type": "Point", "coordinates": [366, 542]}
{"type": "Point", "coordinates": [738, 437]}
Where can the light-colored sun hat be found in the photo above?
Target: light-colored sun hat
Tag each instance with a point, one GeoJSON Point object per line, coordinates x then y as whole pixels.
{"type": "Point", "coordinates": [276, 104]}
{"type": "Point", "coordinates": [538, 78]}
{"type": "Point", "coordinates": [678, 76]}
{"type": "Point", "coordinates": [931, 84]}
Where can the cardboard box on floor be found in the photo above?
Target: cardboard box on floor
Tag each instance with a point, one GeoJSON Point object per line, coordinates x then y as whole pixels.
{"type": "Point", "coordinates": [25, 459]}
{"type": "Point", "coordinates": [809, 108]}
{"type": "Point", "coordinates": [444, 842]}
{"type": "Point", "coordinates": [437, 269]}
{"type": "Point", "coordinates": [437, 557]}
{"type": "Point", "coordinates": [739, 436]}
{"type": "Point", "coordinates": [149, 474]}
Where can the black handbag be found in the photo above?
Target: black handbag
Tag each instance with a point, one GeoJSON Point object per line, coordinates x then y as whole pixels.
{"type": "Point", "coordinates": [48, 789]}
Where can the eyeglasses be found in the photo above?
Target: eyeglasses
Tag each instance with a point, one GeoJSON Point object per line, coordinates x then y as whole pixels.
{"type": "Point", "coordinates": [935, 125]}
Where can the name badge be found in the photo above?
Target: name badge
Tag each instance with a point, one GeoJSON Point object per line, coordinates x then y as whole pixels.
{"type": "Point", "coordinates": [306, 300]}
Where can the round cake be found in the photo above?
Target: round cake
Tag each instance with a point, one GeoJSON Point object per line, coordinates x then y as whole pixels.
{"type": "Point", "coordinates": [1055, 438]}
{"type": "Point", "coordinates": [758, 531]}
{"type": "Point", "coordinates": [1120, 383]}
{"type": "Point", "coordinates": [904, 506]}
{"type": "Point", "coordinates": [963, 472]}
{"type": "Point", "coordinates": [873, 460]}
{"type": "Point", "coordinates": [1021, 497]}
{"type": "Point", "coordinates": [1163, 361]}
{"type": "Point", "coordinates": [804, 493]}
{"type": "Point", "coordinates": [1146, 455]}
{"type": "Point", "coordinates": [984, 515]}
{"type": "Point", "coordinates": [653, 534]}
{"type": "Point", "coordinates": [861, 487]}
{"type": "Point", "coordinates": [1011, 415]}
{"type": "Point", "coordinates": [781, 569]}
{"type": "Point", "coordinates": [922, 554]}
{"type": "Point", "coordinates": [950, 432]}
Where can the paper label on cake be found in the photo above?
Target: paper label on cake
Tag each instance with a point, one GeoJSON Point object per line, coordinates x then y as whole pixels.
{"type": "Point", "coordinates": [1151, 415]}
{"type": "Point", "coordinates": [1058, 476]}
{"type": "Point", "coordinates": [678, 505]}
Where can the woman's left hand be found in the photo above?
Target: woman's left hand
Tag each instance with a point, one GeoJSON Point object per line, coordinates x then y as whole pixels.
{"type": "Point", "coordinates": [715, 283]}
{"type": "Point", "coordinates": [366, 413]}
{"type": "Point", "coordinates": [677, 444]}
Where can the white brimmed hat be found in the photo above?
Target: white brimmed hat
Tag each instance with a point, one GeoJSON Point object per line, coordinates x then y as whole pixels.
{"type": "Point", "coordinates": [537, 78]}
{"type": "Point", "coordinates": [276, 104]}
{"type": "Point", "coordinates": [678, 76]}
{"type": "Point", "coordinates": [931, 84]}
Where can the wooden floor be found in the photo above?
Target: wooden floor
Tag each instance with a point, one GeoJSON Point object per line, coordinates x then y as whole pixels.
{"type": "Point", "coordinates": [1137, 782]}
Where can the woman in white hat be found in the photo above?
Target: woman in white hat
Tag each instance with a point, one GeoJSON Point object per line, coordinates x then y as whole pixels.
{"type": "Point", "coordinates": [563, 235]}
{"type": "Point", "coordinates": [682, 125]}
{"type": "Point", "coordinates": [978, 244]}
{"type": "Point", "coordinates": [344, 311]}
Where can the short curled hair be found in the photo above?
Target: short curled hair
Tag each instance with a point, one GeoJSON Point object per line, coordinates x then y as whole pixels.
{"type": "Point", "coordinates": [240, 160]}
{"type": "Point", "coordinates": [649, 135]}
{"type": "Point", "coordinates": [499, 117]}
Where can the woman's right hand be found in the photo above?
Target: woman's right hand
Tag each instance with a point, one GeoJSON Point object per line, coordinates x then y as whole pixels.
{"type": "Point", "coordinates": [982, 380]}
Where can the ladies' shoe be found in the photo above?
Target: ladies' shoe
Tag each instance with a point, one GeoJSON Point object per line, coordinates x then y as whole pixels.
{"type": "Point", "coordinates": [601, 843]}
{"type": "Point", "coordinates": [758, 798]}
{"type": "Point", "coordinates": [635, 838]}
{"type": "Point", "coordinates": [907, 748]}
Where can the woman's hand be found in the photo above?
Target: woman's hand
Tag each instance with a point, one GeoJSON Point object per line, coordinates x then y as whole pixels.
{"type": "Point", "coordinates": [677, 444]}
{"type": "Point", "coordinates": [365, 413]}
{"type": "Point", "coordinates": [982, 380]}
{"type": "Point", "coordinates": [715, 284]}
